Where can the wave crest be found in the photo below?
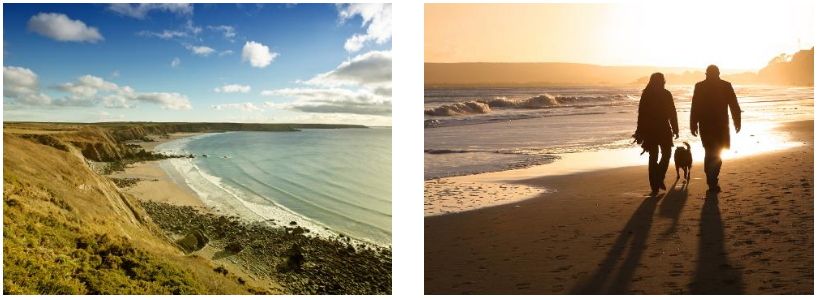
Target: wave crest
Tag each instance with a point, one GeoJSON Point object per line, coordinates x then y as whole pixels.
{"type": "Point", "coordinates": [461, 108]}
{"type": "Point", "coordinates": [536, 102]}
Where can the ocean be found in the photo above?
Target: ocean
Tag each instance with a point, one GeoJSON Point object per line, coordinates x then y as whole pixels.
{"type": "Point", "coordinates": [479, 130]}
{"type": "Point", "coordinates": [330, 181]}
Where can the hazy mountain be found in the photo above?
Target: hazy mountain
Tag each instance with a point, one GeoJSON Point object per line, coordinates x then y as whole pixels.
{"type": "Point", "coordinates": [794, 70]}
{"type": "Point", "coordinates": [449, 74]}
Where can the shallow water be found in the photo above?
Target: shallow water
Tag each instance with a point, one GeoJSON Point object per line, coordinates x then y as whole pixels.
{"type": "Point", "coordinates": [575, 120]}
{"type": "Point", "coordinates": [327, 180]}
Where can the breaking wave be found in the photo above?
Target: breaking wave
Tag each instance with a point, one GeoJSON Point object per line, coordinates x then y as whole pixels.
{"type": "Point", "coordinates": [537, 102]}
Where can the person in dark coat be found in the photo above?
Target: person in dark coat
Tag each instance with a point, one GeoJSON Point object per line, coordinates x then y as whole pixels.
{"type": "Point", "coordinates": [713, 97]}
{"type": "Point", "coordinates": [656, 123]}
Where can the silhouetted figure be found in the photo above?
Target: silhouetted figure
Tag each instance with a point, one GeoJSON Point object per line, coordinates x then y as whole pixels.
{"type": "Point", "coordinates": [709, 117]}
{"type": "Point", "coordinates": [656, 122]}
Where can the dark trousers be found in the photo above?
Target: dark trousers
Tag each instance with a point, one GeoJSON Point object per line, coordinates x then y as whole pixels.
{"type": "Point", "coordinates": [713, 163]}
{"type": "Point", "coordinates": [657, 170]}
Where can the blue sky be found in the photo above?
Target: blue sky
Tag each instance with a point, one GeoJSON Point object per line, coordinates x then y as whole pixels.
{"type": "Point", "coordinates": [312, 63]}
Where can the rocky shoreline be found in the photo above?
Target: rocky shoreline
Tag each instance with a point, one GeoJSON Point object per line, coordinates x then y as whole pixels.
{"type": "Point", "coordinates": [301, 264]}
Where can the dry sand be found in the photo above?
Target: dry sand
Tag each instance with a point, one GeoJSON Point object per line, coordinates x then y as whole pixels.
{"type": "Point", "coordinates": [599, 234]}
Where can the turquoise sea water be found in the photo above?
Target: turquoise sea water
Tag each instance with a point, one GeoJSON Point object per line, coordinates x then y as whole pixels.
{"type": "Point", "coordinates": [327, 180]}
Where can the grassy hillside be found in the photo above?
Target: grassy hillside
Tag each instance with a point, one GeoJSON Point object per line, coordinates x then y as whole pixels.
{"type": "Point", "coordinates": [68, 230]}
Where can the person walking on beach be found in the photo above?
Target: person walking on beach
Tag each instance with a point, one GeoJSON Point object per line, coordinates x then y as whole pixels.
{"type": "Point", "coordinates": [709, 118]}
{"type": "Point", "coordinates": [656, 122]}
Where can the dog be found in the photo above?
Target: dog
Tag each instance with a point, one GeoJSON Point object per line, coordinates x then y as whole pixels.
{"type": "Point", "coordinates": [683, 160]}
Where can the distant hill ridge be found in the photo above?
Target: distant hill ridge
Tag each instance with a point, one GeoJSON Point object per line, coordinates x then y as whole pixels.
{"type": "Point", "coordinates": [106, 141]}
{"type": "Point", "coordinates": [794, 70]}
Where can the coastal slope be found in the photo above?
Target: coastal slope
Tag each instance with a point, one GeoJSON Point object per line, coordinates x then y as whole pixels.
{"type": "Point", "coordinates": [63, 215]}
{"type": "Point", "coordinates": [59, 217]}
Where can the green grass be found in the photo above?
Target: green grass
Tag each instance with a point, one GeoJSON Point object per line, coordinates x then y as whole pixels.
{"type": "Point", "coordinates": [47, 251]}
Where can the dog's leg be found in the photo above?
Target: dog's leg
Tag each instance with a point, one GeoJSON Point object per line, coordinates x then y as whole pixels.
{"type": "Point", "coordinates": [678, 170]}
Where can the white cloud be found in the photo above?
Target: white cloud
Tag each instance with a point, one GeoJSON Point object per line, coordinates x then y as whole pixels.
{"type": "Point", "coordinates": [175, 62]}
{"type": "Point", "coordinates": [376, 17]}
{"type": "Point", "coordinates": [22, 86]}
{"type": "Point", "coordinates": [226, 52]}
{"type": "Point", "coordinates": [233, 88]}
{"type": "Point", "coordinates": [257, 54]}
{"type": "Point", "coordinates": [61, 28]}
{"type": "Point", "coordinates": [369, 69]}
{"type": "Point", "coordinates": [201, 50]}
{"type": "Point", "coordinates": [187, 33]}
{"type": "Point", "coordinates": [165, 34]}
{"type": "Point", "coordinates": [115, 74]}
{"type": "Point", "coordinates": [227, 31]}
{"type": "Point", "coordinates": [332, 100]}
{"type": "Point", "coordinates": [139, 11]}
{"type": "Point", "coordinates": [245, 106]}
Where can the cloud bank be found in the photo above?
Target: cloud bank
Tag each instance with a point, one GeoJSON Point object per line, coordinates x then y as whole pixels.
{"type": "Point", "coordinates": [22, 87]}
{"type": "Point", "coordinates": [361, 85]}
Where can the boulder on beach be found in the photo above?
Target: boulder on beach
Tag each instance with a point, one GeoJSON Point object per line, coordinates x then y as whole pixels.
{"type": "Point", "coordinates": [297, 230]}
{"type": "Point", "coordinates": [193, 241]}
{"type": "Point", "coordinates": [234, 247]}
{"type": "Point", "coordinates": [293, 259]}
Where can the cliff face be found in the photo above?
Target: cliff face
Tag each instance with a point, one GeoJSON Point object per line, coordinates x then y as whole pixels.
{"type": "Point", "coordinates": [65, 175]}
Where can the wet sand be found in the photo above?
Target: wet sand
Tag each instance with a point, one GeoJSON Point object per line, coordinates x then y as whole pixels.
{"type": "Point", "coordinates": [598, 233]}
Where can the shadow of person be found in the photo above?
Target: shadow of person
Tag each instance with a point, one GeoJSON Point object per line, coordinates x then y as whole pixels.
{"type": "Point", "coordinates": [636, 231]}
{"type": "Point", "coordinates": [714, 275]}
{"type": "Point", "coordinates": [673, 204]}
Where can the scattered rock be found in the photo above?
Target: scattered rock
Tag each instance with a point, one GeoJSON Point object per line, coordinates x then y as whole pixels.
{"type": "Point", "coordinates": [301, 264]}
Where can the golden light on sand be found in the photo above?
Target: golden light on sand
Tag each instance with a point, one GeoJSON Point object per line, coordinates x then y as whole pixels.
{"type": "Point", "coordinates": [657, 34]}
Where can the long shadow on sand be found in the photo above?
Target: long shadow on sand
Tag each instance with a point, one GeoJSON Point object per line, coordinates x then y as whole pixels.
{"type": "Point", "coordinates": [636, 231]}
{"type": "Point", "coordinates": [673, 204]}
{"type": "Point", "coordinates": [714, 275]}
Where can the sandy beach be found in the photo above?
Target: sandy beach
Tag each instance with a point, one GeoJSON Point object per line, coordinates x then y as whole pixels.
{"type": "Point", "coordinates": [153, 183]}
{"type": "Point", "coordinates": [598, 233]}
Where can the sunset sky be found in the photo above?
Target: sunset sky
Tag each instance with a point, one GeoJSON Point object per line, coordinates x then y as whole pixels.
{"type": "Point", "coordinates": [677, 34]}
